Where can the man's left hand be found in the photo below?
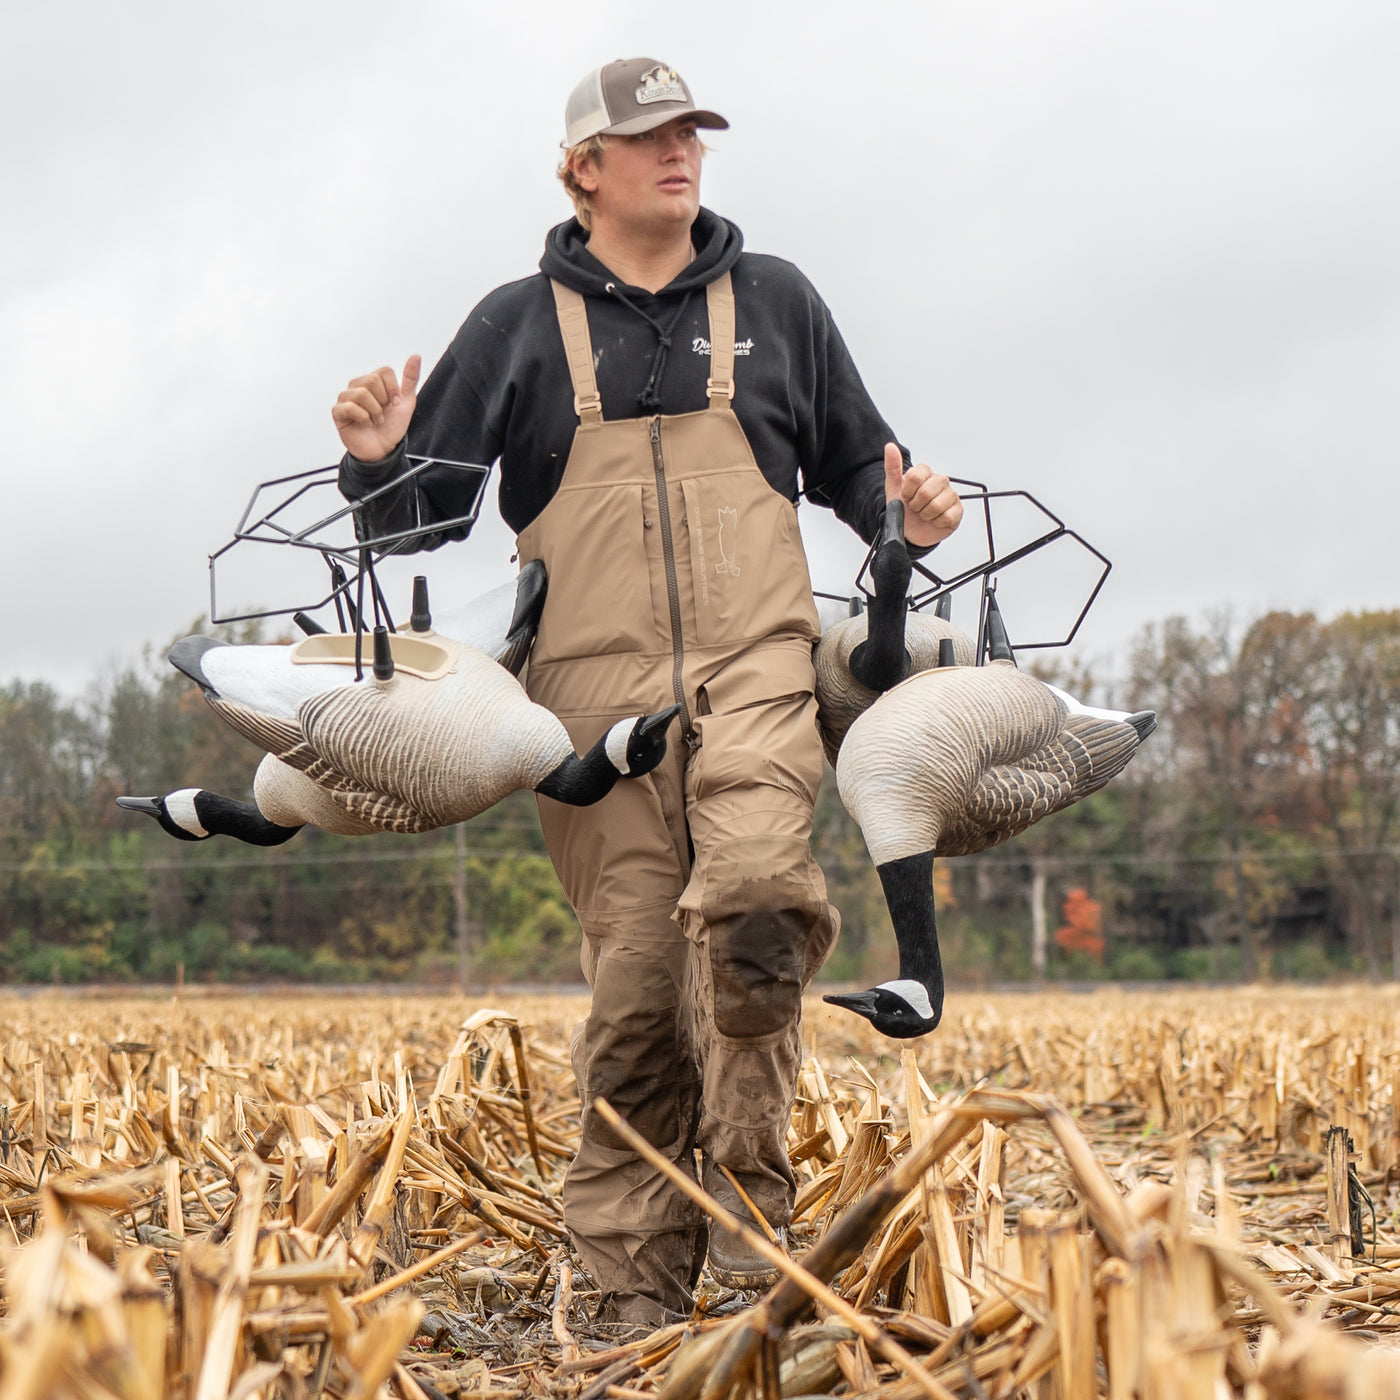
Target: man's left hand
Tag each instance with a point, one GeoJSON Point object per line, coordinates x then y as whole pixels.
{"type": "Point", "coordinates": [932, 510]}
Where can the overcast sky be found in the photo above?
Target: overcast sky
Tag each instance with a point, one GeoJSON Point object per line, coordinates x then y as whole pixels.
{"type": "Point", "coordinates": [1138, 258]}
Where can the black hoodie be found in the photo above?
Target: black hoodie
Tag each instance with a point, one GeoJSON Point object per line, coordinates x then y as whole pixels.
{"type": "Point", "coordinates": [502, 389]}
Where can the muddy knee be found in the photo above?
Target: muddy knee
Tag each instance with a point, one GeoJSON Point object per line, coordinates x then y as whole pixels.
{"type": "Point", "coordinates": [759, 905]}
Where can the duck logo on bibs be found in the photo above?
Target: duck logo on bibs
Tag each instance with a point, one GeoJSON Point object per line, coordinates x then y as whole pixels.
{"type": "Point", "coordinates": [728, 541]}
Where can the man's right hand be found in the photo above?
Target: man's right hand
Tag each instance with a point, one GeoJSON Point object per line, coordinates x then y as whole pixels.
{"type": "Point", "coordinates": [372, 414]}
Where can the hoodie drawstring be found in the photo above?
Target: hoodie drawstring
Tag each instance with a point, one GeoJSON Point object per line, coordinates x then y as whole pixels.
{"type": "Point", "coordinates": [650, 397]}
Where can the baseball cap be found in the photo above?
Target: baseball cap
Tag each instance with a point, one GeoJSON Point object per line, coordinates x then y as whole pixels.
{"type": "Point", "coordinates": [630, 95]}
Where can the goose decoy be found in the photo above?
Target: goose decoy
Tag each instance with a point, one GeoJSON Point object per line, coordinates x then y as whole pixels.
{"type": "Point", "coordinates": [438, 733]}
{"type": "Point", "coordinates": [938, 756]}
{"type": "Point", "coordinates": [950, 762]}
{"type": "Point", "coordinates": [860, 657]}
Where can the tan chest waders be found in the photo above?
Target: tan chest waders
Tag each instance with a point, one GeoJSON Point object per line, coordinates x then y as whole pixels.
{"type": "Point", "coordinates": [677, 576]}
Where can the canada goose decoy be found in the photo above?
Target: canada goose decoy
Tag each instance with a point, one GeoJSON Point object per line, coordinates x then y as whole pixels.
{"type": "Point", "coordinates": [955, 761]}
{"type": "Point", "coordinates": [861, 657]}
{"type": "Point", "coordinates": [952, 760]}
{"type": "Point", "coordinates": [438, 734]}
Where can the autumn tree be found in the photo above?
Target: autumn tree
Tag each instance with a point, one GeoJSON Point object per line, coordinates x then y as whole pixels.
{"type": "Point", "coordinates": [1234, 748]}
{"type": "Point", "coordinates": [1355, 730]}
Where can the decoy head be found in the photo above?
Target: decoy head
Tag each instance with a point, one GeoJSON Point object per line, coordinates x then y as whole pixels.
{"type": "Point", "coordinates": [175, 813]}
{"type": "Point", "coordinates": [637, 747]}
{"type": "Point", "coordinates": [196, 814]}
{"type": "Point", "coordinates": [901, 1009]}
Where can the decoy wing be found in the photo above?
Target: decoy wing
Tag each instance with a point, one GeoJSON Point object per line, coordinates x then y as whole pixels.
{"type": "Point", "coordinates": [282, 737]}
{"type": "Point", "coordinates": [1084, 756]}
{"type": "Point", "coordinates": [446, 750]}
{"type": "Point", "coordinates": [910, 767]}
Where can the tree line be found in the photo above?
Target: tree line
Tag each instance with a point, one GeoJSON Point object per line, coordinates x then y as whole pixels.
{"type": "Point", "coordinates": [1256, 834]}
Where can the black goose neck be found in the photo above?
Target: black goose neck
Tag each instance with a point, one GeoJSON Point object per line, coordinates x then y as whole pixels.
{"type": "Point", "coordinates": [580, 782]}
{"type": "Point", "coordinates": [908, 886]}
{"type": "Point", "coordinates": [223, 816]}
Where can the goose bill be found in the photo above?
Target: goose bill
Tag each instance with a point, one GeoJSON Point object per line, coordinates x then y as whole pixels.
{"type": "Point", "coordinates": [149, 805]}
{"type": "Point", "coordinates": [862, 1003]}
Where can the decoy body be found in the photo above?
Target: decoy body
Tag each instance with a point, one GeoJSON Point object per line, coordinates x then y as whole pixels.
{"type": "Point", "coordinates": [445, 734]}
{"type": "Point", "coordinates": [952, 760]}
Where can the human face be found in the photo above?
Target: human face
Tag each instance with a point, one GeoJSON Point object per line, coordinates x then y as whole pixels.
{"type": "Point", "coordinates": [647, 183]}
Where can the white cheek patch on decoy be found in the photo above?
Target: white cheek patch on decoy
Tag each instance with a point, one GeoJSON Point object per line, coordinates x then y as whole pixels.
{"type": "Point", "coordinates": [915, 993]}
{"type": "Point", "coordinates": [179, 807]}
{"type": "Point", "coordinates": [616, 743]}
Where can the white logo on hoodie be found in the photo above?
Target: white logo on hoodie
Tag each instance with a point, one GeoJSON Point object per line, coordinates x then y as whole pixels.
{"type": "Point", "coordinates": [701, 346]}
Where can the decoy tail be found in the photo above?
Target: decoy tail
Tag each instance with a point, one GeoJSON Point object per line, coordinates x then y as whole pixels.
{"type": "Point", "coordinates": [187, 656]}
{"type": "Point", "coordinates": [531, 587]}
{"type": "Point", "coordinates": [881, 661]}
{"type": "Point", "coordinates": [628, 750]}
{"type": "Point", "coordinates": [1144, 721]}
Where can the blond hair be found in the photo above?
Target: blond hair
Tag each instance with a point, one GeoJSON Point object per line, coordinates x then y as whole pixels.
{"type": "Point", "coordinates": [589, 149]}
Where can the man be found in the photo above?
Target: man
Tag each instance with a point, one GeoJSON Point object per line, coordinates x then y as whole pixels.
{"type": "Point", "coordinates": [653, 395]}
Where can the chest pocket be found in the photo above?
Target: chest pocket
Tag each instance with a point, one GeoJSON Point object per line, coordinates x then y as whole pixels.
{"type": "Point", "coordinates": [748, 574]}
{"type": "Point", "coordinates": [600, 594]}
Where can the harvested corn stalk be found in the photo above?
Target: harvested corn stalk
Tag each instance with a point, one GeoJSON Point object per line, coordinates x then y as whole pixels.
{"type": "Point", "coordinates": [234, 1197]}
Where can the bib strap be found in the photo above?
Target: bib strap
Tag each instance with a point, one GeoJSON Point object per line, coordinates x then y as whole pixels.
{"type": "Point", "coordinates": [719, 300]}
{"type": "Point", "coordinates": [578, 348]}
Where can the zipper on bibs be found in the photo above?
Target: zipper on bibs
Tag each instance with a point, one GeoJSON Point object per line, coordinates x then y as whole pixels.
{"type": "Point", "coordinates": [673, 592]}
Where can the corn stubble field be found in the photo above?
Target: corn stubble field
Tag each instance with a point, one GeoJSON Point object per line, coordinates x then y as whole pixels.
{"type": "Point", "coordinates": [1117, 1194]}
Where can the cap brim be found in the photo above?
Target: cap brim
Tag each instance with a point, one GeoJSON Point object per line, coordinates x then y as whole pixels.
{"type": "Point", "coordinates": [711, 121]}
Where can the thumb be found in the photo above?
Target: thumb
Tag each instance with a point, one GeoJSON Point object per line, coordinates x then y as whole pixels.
{"type": "Point", "coordinates": [894, 471]}
{"type": "Point", "coordinates": [412, 368]}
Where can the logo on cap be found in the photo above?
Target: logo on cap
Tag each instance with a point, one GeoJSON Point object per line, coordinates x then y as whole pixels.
{"type": "Point", "coordinates": [660, 84]}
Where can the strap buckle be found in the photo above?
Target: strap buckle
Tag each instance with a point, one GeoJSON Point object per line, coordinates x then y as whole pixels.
{"type": "Point", "coordinates": [719, 388]}
{"type": "Point", "coordinates": [588, 404]}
